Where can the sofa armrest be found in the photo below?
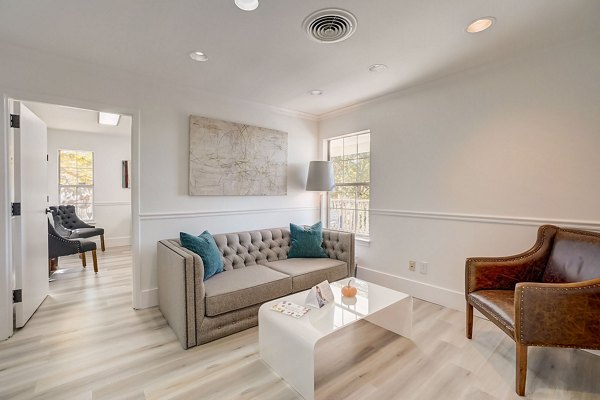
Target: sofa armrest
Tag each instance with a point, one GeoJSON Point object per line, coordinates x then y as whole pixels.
{"type": "Point", "coordinates": [558, 314]}
{"type": "Point", "coordinates": [503, 273]}
{"type": "Point", "coordinates": [340, 245]}
{"type": "Point", "coordinates": [180, 290]}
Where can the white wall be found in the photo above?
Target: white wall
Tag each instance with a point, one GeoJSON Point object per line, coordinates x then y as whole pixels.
{"type": "Point", "coordinates": [161, 113]}
{"type": "Point", "coordinates": [471, 164]}
{"type": "Point", "coordinates": [112, 203]}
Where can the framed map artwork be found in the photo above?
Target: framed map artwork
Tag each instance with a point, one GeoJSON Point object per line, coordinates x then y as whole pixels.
{"type": "Point", "coordinates": [231, 159]}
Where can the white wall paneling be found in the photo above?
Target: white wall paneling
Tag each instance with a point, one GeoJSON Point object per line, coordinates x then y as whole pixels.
{"type": "Point", "coordinates": [471, 164]}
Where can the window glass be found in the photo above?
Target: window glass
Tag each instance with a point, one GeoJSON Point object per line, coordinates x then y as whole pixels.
{"type": "Point", "coordinates": [348, 204]}
{"type": "Point", "coordinates": [76, 181]}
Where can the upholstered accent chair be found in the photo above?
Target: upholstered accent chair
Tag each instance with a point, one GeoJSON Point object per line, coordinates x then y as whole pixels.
{"type": "Point", "coordinates": [68, 225]}
{"type": "Point", "coordinates": [59, 246]}
{"type": "Point", "coordinates": [546, 296]}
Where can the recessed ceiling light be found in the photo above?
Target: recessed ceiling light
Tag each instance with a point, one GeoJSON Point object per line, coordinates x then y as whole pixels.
{"type": "Point", "coordinates": [480, 25]}
{"type": "Point", "coordinates": [377, 67]}
{"type": "Point", "coordinates": [316, 92]}
{"type": "Point", "coordinates": [105, 118]}
{"type": "Point", "coordinates": [247, 5]}
{"type": "Point", "coordinates": [198, 56]}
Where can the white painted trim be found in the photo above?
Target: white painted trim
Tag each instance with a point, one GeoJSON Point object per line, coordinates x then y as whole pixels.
{"type": "Point", "coordinates": [136, 246]}
{"type": "Point", "coordinates": [489, 219]}
{"type": "Point", "coordinates": [148, 298]}
{"type": "Point", "coordinates": [112, 204]}
{"type": "Point", "coordinates": [425, 291]}
{"type": "Point", "coordinates": [135, 169]}
{"type": "Point", "coordinates": [6, 280]}
{"type": "Point", "coordinates": [220, 213]}
{"type": "Point", "coordinates": [361, 241]}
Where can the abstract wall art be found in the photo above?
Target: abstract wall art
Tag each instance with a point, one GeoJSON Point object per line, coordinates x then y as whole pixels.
{"type": "Point", "coordinates": [231, 159]}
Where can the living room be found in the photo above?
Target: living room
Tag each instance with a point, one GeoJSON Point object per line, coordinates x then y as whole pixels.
{"type": "Point", "coordinates": [476, 140]}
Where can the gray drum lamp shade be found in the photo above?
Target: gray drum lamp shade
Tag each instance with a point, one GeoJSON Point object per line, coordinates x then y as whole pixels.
{"type": "Point", "coordinates": [320, 176]}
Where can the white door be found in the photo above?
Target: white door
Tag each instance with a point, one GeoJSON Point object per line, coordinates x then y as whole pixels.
{"type": "Point", "coordinates": [30, 229]}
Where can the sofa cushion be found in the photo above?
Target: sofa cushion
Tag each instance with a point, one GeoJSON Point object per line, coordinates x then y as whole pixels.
{"type": "Point", "coordinates": [307, 272]}
{"type": "Point", "coordinates": [244, 287]}
{"type": "Point", "coordinates": [498, 306]}
{"type": "Point", "coordinates": [306, 242]}
{"type": "Point", "coordinates": [204, 245]}
{"type": "Point", "coordinates": [85, 233]}
{"type": "Point", "coordinates": [574, 258]}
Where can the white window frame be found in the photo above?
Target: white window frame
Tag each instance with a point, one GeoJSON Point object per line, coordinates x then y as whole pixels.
{"type": "Point", "coordinates": [328, 197]}
{"type": "Point", "coordinates": [92, 186]}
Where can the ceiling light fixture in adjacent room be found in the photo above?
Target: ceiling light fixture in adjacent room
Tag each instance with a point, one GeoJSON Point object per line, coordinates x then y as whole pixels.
{"type": "Point", "coordinates": [105, 118]}
{"type": "Point", "coordinates": [316, 92]}
{"type": "Point", "coordinates": [247, 5]}
{"type": "Point", "coordinates": [198, 56]}
{"type": "Point", "coordinates": [377, 67]}
{"type": "Point", "coordinates": [480, 25]}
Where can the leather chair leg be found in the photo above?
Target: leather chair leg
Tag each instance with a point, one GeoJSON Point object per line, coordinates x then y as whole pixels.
{"type": "Point", "coordinates": [83, 260]}
{"type": "Point", "coordinates": [95, 261]}
{"type": "Point", "coordinates": [521, 368]}
{"type": "Point", "coordinates": [469, 321]}
{"type": "Point", "coordinates": [102, 243]}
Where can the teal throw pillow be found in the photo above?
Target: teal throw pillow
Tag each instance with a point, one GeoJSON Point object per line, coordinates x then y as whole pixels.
{"type": "Point", "coordinates": [205, 246]}
{"type": "Point", "coordinates": [306, 242]}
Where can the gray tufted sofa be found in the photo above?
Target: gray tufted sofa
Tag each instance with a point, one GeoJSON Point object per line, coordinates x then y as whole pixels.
{"type": "Point", "coordinates": [256, 270]}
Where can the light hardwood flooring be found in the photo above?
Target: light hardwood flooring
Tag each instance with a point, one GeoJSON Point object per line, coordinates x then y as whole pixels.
{"type": "Point", "coordinates": [86, 342]}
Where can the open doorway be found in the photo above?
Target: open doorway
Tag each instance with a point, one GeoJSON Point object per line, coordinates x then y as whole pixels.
{"type": "Point", "coordinates": [88, 172]}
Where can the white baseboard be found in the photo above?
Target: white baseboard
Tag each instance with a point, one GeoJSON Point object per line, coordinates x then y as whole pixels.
{"type": "Point", "coordinates": [113, 241]}
{"type": "Point", "coordinates": [425, 291]}
{"type": "Point", "coordinates": [148, 298]}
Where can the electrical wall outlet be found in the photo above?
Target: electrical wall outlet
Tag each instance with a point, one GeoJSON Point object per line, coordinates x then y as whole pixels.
{"type": "Point", "coordinates": [412, 266]}
{"type": "Point", "coordinates": [423, 267]}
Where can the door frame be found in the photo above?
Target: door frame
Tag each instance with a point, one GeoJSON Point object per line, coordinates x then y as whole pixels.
{"type": "Point", "coordinates": [6, 270]}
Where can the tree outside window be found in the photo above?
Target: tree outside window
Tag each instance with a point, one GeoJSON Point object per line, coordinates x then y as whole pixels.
{"type": "Point", "coordinates": [348, 204]}
{"type": "Point", "coordinates": [76, 181]}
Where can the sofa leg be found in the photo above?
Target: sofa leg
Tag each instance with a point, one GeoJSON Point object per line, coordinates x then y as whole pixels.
{"type": "Point", "coordinates": [469, 321]}
{"type": "Point", "coordinates": [102, 243]}
{"type": "Point", "coordinates": [95, 259]}
{"type": "Point", "coordinates": [521, 368]}
{"type": "Point", "coordinates": [83, 260]}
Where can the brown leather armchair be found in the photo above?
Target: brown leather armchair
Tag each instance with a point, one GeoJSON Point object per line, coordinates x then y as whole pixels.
{"type": "Point", "coordinates": [547, 296]}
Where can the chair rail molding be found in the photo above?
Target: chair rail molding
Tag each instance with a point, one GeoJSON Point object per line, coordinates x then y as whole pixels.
{"type": "Point", "coordinates": [218, 213]}
{"type": "Point", "coordinates": [112, 203]}
{"type": "Point", "coordinates": [489, 219]}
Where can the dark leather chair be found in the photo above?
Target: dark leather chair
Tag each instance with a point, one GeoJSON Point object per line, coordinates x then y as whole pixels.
{"type": "Point", "coordinates": [59, 246]}
{"type": "Point", "coordinates": [546, 296]}
{"type": "Point", "coordinates": [68, 225]}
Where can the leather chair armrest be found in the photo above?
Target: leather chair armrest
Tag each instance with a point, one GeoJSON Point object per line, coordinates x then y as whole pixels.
{"type": "Point", "coordinates": [503, 273]}
{"type": "Point", "coordinates": [558, 314]}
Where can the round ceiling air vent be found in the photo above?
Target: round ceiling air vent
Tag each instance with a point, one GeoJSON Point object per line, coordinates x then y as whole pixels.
{"type": "Point", "coordinates": [330, 25]}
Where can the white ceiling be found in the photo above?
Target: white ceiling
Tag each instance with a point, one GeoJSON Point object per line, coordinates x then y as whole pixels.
{"type": "Point", "coordinates": [77, 119]}
{"type": "Point", "coordinates": [264, 56]}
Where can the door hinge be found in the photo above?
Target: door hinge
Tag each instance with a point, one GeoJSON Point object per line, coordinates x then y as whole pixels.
{"type": "Point", "coordinates": [15, 209]}
{"type": "Point", "coordinates": [17, 296]}
{"type": "Point", "coordinates": [47, 157]}
{"type": "Point", "coordinates": [15, 121]}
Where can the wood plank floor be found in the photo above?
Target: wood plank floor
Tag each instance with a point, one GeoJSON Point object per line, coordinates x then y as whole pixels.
{"type": "Point", "coordinates": [86, 342]}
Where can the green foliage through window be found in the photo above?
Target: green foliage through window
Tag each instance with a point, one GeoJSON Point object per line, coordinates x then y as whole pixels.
{"type": "Point", "coordinates": [76, 181]}
{"type": "Point", "coordinates": [348, 204]}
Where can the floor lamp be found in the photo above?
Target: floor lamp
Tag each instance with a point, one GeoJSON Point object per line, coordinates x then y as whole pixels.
{"type": "Point", "coordinates": [320, 179]}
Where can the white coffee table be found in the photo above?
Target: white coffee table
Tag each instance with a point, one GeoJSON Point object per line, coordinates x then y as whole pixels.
{"type": "Point", "coordinates": [288, 344]}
